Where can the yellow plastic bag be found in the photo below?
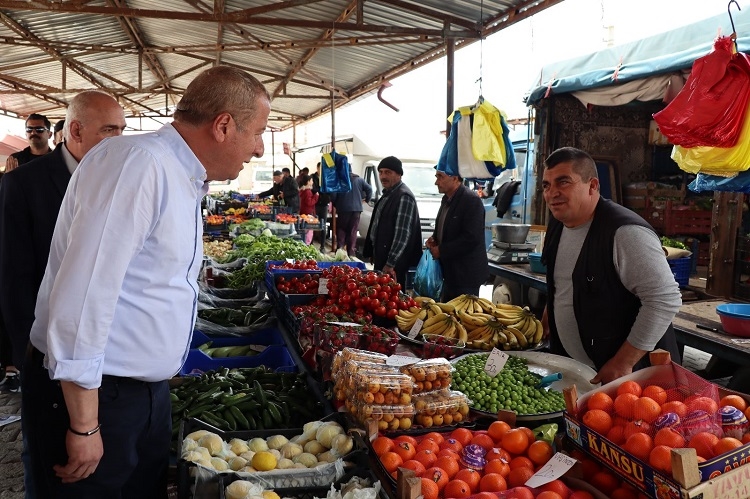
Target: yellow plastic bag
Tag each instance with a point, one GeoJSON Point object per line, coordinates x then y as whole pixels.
{"type": "Point", "coordinates": [720, 161]}
{"type": "Point", "coordinates": [487, 134]}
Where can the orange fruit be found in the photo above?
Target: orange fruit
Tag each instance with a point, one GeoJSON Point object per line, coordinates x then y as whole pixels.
{"type": "Point", "coordinates": [449, 465]}
{"type": "Point", "coordinates": [639, 445]}
{"type": "Point", "coordinates": [426, 457]}
{"type": "Point", "coordinates": [497, 466]}
{"type": "Point", "coordinates": [406, 438]}
{"type": "Point", "coordinates": [453, 444]}
{"type": "Point", "coordinates": [634, 427]}
{"type": "Point", "coordinates": [521, 462]}
{"type": "Point", "coordinates": [746, 438]}
{"type": "Point", "coordinates": [726, 444]}
{"type": "Point", "coordinates": [704, 443]}
{"type": "Point", "coordinates": [515, 441]}
{"type": "Point", "coordinates": [519, 493]}
{"type": "Point", "coordinates": [493, 482]}
{"type": "Point", "coordinates": [437, 475]}
{"type": "Point", "coordinates": [580, 494]}
{"type": "Point", "coordinates": [558, 487]}
{"type": "Point", "coordinates": [616, 434]}
{"type": "Point", "coordinates": [540, 452]}
{"type": "Point", "coordinates": [646, 409]}
{"type": "Point", "coordinates": [529, 433]}
{"type": "Point", "coordinates": [428, 444]}
{"type": "Point", "coordinates": [623, 493]}
{"type": "Point", "coordinates": [519, 476]}
{"type": "Point", "coordinates": [391, 461]}
{"type": "Point", "coordinates": [734, 401]}
{"type": "Point", "coordinates": [630, 387]}
{"type": "Point", "coordinates": [625, 405]}
{"type": "Point", "coordinates": [487, 495]}
{"type": "Point", "coordinates": [449, 453]}
{"type": "Point", "coordinates": [605, 481]}
{"type": "Point", "coordinates": [381, 445]}
{"type": "Point", "coordinates": [548, 494]}
{"type": "Point", "coordinates": [470, 477]}
{"type": "Point", "coordinates": [414, 465]}
{"type": "Point", "coordinates": [589, 467]}
{"type": "Point", "coordinates": [497, 453]}
{"type": "Point", "coordinates": [656, 393]}
{"type": "Point", "coordinates": [675, 406]}
{"type": "Point", "coordinates": [601, 401]}
{"type": "Point", "coordinates": [433, 435]}
{"type": "Point", "coordinates": [669, 437]}
{"type": "Point", "coordinates": [430, 489]}
{"type": "Point", "coordinates": [463, 435]}
{"type": "Point", "coordinates": [457, 488]}
{"type": "Point", "coordinates": [497, 429]}
{"type": "Point", "coordinates": [405, 450]}
{"type": "Point", "coordinates": [702, 404]}
{"type": "Point", "coordinates": [660, 459]}
{"type": "Point", "coordinates": [484, 441]}
{"type": "Point", "coordinates": [747, 413]}
{"type": "Point", "coordinates": [598, 420]}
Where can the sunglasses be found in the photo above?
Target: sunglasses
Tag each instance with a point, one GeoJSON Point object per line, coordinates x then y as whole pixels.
{"type": "Point", "coordinates": [37, 129]}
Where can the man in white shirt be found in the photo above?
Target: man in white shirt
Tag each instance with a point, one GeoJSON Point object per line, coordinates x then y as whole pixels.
{"type": "Point", "coordinates": [117, 304]}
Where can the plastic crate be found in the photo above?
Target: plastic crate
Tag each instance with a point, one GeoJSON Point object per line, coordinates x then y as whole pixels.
{"type": "Point", "coordinates": [681, 270]}
{"type": "Point", "coordinates": [274, 357]}
{"type": "Point", "coordinates": [268, 337]}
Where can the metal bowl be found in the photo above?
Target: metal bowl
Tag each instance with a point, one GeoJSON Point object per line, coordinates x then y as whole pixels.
{"type": "Point", "coordinates": [511, 233]}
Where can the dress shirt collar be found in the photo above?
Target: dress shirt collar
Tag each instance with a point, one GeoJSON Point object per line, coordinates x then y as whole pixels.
{"type": "Point", "coordinates": [185, 156]}
{"type": "Point", "coordinates": [70, 162]}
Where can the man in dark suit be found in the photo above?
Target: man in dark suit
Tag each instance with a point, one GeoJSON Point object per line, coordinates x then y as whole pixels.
{"type": "Point", "coordinates": [30, 198]}
{"type": "Point", "coordinates": [458, 240]}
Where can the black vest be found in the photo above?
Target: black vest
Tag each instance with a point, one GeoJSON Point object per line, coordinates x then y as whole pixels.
{"type": "Point", "coordinates": [604, 309]}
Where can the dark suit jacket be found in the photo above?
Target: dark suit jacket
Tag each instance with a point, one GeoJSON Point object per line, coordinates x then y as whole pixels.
{"type": "Point", "coordinates": [30, 199]}
{"type": "Point", "coordinates": [463, 256]}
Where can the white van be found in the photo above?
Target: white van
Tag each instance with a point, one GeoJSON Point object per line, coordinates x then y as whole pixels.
{"type": "Point", "coordinates": [262, 179]}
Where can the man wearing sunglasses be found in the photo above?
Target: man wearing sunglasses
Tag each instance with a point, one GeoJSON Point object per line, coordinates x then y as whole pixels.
{"type": "Point", "coordinates": [38, 134]}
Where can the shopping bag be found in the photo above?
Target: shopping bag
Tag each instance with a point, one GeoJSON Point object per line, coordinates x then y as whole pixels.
{"type": "Point", "coordinates": [335, 175]}
{"type": "Point", "coordinates": [428, 280]}
{"type": "Point", "coordinates": [738, 183]}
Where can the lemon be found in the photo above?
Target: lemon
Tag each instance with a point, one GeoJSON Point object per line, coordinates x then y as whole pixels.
{"type": "Point", "coordinates": [270, 494]}
{"type": "Point", "coordinates": [264, 461]}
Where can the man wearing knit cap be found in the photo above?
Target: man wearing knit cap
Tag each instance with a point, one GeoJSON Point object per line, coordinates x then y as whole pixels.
{"type": "Point", "coordinates": [394, 239]}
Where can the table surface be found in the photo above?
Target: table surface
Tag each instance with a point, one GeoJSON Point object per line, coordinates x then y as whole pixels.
{"type": "Point", "coordinates": [520, 272]}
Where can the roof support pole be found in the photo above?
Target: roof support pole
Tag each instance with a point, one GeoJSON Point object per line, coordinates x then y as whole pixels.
{"type": "Point", "coordinates": [450, 47]}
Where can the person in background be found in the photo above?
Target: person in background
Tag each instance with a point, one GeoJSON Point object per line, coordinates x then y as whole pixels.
{"type": "Point", "coordinates": [321, 208]}
{"type": "Point", "coordinates": [458, 240]}
{"type": "Point", "coordinates": [116, 306]}
{"type": "Point", "coordinates": [303, 173]}
{"type": "Point", "coordinates": [308, 198]}
{"type": "Point", "coordinates": [286, 172]}
{"type": "Point", "coordinates": [611, 293]}
{"type": "Point", "coordinates": [57, 136]}
{"type": "Point", "coordinates": [348, 210]}
{"type": "Point", "coordinates": [284, 188]}
{"type": "Point", "coordinates": [394, 238]}
{"type": "Point", "coordinates": [38, 134]}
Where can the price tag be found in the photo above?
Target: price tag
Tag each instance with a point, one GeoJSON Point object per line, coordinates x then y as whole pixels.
{"type": "Point", "coordinates": [323, 286]}
{"type": "Point", "coordinates": [400, 360]}
{"type": "Point", "coordinates": [290, 260]}
{"type": "Point", "coordinates": [415, 329]}
{"type": "Point", "coordinates": [554, 469]}
{"type": "Point", "coordinates": [495, 362]}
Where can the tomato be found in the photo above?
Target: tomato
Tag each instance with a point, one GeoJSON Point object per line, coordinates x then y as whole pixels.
{"type": "Point", "coordinates": [383, 296]}
{"type": "Point", "coordinates": [391, 305]}
{"type": "Point", "coordinates": [351, 284]}
{"type": "Point", "coordinates": [355, 293]}
{"type": "Point", "coordinates": [371, 278]}
{"type": "Point", "coordinates": [380, 311]}
{"type": "Point", "coordinates": [396, 286]}
{"type": "Point", "coordinates": [392, 313]}
{"type": "Point", "coordinates": [374, 303]}
{"type": "Point", "coordinates": [366, 301]}
{"type": "Point", "coordinates": [384, 279]}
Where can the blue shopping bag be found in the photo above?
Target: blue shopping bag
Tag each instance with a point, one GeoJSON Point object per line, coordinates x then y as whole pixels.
{"type": "Point", "coordinates": [428, 281]}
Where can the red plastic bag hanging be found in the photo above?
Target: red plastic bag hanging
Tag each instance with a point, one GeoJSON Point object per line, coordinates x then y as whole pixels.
{"type": "Point", "coordinates": [710, 109]}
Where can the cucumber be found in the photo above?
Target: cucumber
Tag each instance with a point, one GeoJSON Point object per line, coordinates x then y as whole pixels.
{"type": "Point", "coordinates": [260, 394]}
{"type": "Point", "coordinates": [227, 414]}
{"type": "Point", "coordinates": [267, 420]}
{"type": "Point", "coordinates": [275, 415]}
{"type": "Point", "coordinates": [239, 417]}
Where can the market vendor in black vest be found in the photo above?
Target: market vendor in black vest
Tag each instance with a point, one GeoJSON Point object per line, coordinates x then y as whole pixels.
{"type": "Point", "coordinates": [611, 293]}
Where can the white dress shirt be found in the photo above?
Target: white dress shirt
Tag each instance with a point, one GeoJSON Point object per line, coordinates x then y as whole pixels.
{"type": "Point", "coordinates": [120, 289]}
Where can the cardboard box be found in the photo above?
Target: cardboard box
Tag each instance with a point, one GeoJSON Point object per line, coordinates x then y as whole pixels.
{"type": "Point", "coordinates": [688, 476]}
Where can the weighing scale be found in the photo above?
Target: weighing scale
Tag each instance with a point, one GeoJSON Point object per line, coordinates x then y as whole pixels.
{"type": "Point", "coordinates": [502, 252]}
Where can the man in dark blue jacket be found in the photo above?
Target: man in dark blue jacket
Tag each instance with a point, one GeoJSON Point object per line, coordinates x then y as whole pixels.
{"type": "Point", "coordinates": [348, 209]}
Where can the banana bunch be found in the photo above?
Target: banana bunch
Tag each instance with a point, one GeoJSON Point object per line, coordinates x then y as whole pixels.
{"type": "Point", "coordinates": [472, 304]}
{"type": "Point", "coordinates": [522, 319]}
{"type": "Point", "coordinates": [445, 324]}
{"type": "Point", "coordinates": [426, 310]}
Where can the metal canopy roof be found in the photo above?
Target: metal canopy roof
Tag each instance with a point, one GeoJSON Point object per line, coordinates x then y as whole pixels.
{"type": "Point", "coordinates": [308, 53]}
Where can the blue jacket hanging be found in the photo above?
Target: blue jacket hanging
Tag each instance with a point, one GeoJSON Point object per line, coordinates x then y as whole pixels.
{"type": "Point", "coordinates": [335, 172]}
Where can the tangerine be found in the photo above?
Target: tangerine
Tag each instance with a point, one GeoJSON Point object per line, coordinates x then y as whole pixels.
{"type": "Point", "coordinates": [426, 457]}
{"type": "Point", "coordinates": [381, 445]}
{"type": "Point", "coordinates": [625, 405]}
{"type": "Point", "coordinates": [405, 450]}
{"type": "Point", "coordinates": [463, 435]}
{"type": "Point", "coordinates": [437, 475]}
{"type": "Point", "coordinates": [676, 407]}
{"type": "Point", "coordinates": [497, 466]}
{"type": "Point", "coordinates": [703, 443]}
{"type": "Point", "coordinates": [470, 477]}
{"type": "Point", "coordinates": [449, 465]}
{"type": "Point", "coordinates": [634, 427]}
{"type": "Point", "coordinates": [726, 444]}
{"type": "Point", "coordinates": [656, 393]}
{"type": "Point", "coordinates": [548, 494]}
{"type": "Point", "coordinates": [515, 441]}
{"type": "Point", "coordinates": [518, 476]}
{"type": "Point", "coordinates": [430, 489]}
{"type": "Point", "coordinates": [601, 401]}
{"type": "Point", "coordinates": [660, 458]}
{"type": "Point", "coordinates": [519, 493]}
{"type": "Point", "coordinates": [486, 495]}
{"type": "Point", "coordinates": [734, 401]}
{"type": "Point", "coordinates": [414, 465]}
{"type": "Point", "coordinates": [589, 467]}
{"type": "Point", "coordinates": [457, 488]}
{"type": "Point", "coordinates": [449, 453]}
{"type": "Point", "coordinates": [616, 434]}
{"type": "Point", "coordinates": [623, 493]}
{"type": "Point", "coordinates": [497, 429]}
{"type": "Point", "coordinates": [669, 437]}
{"type": "Point", "coordinates": [646, 409]}
{"type": "Point", "coordinates": [747, 413]}
{"type": "Point", "coordinates": [529, 433]}
{"type": "Point", "coordinates": [540, 452]}
{"type": "Point", "coordinates": [497, 453]}
{"type": "Point", "coordinates": [493, 482]}
{"type": "Point", "coordinates": [453, 444]}
{"type": "Point", "coordinates": [639, 445]}
{"type": "Point", "coordinates": [406, 438]}
{"type": "Point", "coordinates": [521, 462]}
{"type": "Point", "coordinates": [391, 461]}
{"type": "Point", "coordinates": [558, 487]}
{"type": "Point", "coordinates": [746, 438]}
{"type": "Point", "coordinates": [484, 441]}
{"type": "Point", "coordinates": [630, 386]}
{"type": "Point", "coordinates": [605, 481]}
{"type": "Point", "coordinates": [428, 444]}
{"type": "Point", "coordinates": [598, 420]}
{"type": "Point", "coordinates": [581, 494]}
{"type": "Point", "coordinates": [703, 404]}
{"type": "Point", "coordinates": [433, 435]}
